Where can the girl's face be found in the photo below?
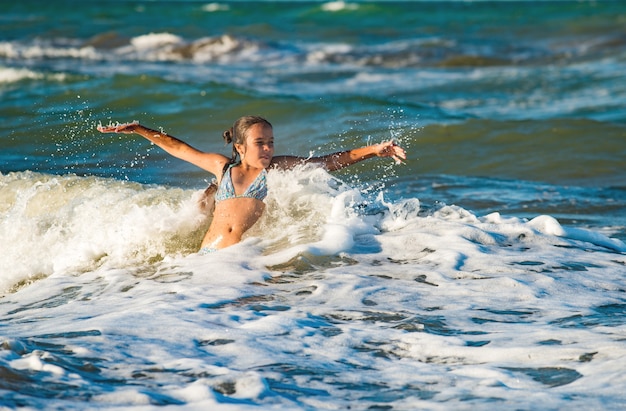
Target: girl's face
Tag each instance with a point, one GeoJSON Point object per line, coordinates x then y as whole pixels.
{"type": "Point", "coordinates": [259, 147]}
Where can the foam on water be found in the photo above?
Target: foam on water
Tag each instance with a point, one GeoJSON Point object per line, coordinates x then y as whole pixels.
{"type": "Point", "coordinates": [482, 274]}
{"type": "Point", "coordinates": [60, 224]}
{"type": "Point", "coordinates": [407, 68]}
{"type": "Point", "coordinates": [336, 298]}
{"type": "Point", "coordinates": [70, 224]}
{"type": "Point", "coordinates": [335, 6]}
{"type": "Point", "coordinates": [9, 75]}
{"type": "Point", "coordinates": [12, 75]}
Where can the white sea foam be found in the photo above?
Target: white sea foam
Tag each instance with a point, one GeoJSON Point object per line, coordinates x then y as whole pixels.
{"type": "Point", "coordinates": [71, 224]}
{"type": "Point", "coordinates": [13, 75]}
{"type": "Point", "coordinates": [333, 295]}
{"type": "Point", "coordinates": [396, 67]}
{"type": "Point", "coordinates": [75, 224]}
{"type": "Point", "coordinates": [341, 5]}
{"type": "Point", "coordinates": [155, 40]}
{"type": "Point", "coordinates": [213, 7]}
{"type": "Point", "coordinates": [341, 297]}
{"type": "Point", "coordinates": [10, 75]}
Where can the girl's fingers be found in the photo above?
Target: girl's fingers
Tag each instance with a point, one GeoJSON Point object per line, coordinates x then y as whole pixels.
{"type": "Point", "coordinates": [118, 128]}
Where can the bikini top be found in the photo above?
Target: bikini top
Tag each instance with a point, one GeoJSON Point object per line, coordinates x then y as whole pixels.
{"type": "Point", "coordinates": [226, 190]}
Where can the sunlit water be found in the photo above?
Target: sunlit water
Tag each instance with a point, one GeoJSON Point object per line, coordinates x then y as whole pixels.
{"type": "Point", "coordinates": [485, 273]}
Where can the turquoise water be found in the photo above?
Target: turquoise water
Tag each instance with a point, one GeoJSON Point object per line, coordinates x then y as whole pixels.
{"type": "Point", "coordinates": [487, 270]}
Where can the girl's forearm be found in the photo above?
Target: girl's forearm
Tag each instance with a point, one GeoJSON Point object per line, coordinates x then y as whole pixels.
{"type": "Point", "coordinates": [339, 160]}
{"type": "Point", "coordinates": [170, 144]}
{"type": "Point", "coordinates": [207, 161]}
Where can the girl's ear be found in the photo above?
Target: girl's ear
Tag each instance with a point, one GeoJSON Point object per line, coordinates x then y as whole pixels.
{"type": "Point", "coordinates": [240, 149]}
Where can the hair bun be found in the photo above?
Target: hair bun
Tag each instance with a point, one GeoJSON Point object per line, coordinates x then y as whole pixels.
{"type": "Point", "coordinates": [228, 136]}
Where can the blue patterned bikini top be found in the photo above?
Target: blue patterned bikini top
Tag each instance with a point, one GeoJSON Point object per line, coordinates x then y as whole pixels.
{"type": "Point", "coordinates": [226, 190]}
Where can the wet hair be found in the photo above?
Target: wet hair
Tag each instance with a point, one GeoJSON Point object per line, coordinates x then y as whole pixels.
{"type": "Point", "coordinates": [239, 131]}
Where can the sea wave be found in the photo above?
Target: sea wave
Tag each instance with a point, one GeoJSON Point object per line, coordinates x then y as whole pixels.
{"type": "Point", "coordinates": [456, 79]}
{"type": "Point", "coordinates": [391, 285]}
{"type": "Point", "coordinates": [487, 270]}
{"type": "Point", "coordinates": [434, 51]}
{"type": "Point", "coordinates": [71, 224]}
{"type": "Point", "coordinates": [53, 224]}
{"type": "Point", "coordinates": [10, 75]}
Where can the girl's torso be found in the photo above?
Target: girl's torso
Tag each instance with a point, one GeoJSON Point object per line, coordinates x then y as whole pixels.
{"type": "Point", "coordinates": [257, 189]}
{"type": "Point", "coordinates": [235, 213]}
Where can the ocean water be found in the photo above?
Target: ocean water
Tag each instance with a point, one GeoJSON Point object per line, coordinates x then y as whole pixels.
{"type": "Point", "coordinates": [487, 272]}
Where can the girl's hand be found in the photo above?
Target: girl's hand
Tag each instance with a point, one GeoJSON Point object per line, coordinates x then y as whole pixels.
{"type": "Point", "coordinates": [127, 128]}
{"type": "Point", "coordinates": [390, 149]}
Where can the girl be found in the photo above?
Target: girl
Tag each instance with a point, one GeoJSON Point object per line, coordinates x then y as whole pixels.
{"type": "Point", "coordinates": [241, 180]}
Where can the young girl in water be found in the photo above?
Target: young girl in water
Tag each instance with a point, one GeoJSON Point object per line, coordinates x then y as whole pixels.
{"type": "Point", "coordinates": [241, 180]}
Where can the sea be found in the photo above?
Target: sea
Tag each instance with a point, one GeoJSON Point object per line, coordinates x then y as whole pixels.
{"type": "Point", "coordinates": [488, 271]}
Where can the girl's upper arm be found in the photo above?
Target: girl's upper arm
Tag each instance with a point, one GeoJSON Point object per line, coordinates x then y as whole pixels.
{"type": "Point", "coordinates": [286, 162]}
{"type": "Point", "coordinates": [212, 162]}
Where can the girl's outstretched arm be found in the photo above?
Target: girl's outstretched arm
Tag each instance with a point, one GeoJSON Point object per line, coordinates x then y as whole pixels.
{"type": "Point", "coordinates": [339, 160]}
{"type": "Point", "coordinates": [210, 162]}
